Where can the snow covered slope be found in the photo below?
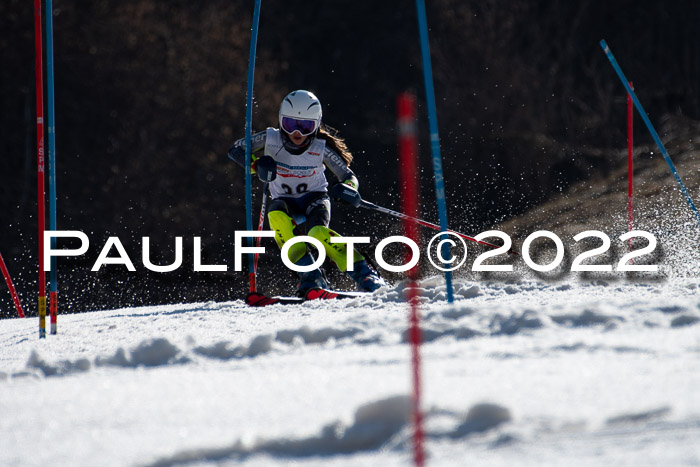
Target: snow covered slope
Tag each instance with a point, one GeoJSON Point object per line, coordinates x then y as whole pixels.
{"type": "Point", "coordinates": [515, 373]}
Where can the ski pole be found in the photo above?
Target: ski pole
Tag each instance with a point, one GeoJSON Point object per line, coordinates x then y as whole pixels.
{"type": "Point", "coordinates": [400, 215]}
{"type": "Point", "coordinates": [261, 223]}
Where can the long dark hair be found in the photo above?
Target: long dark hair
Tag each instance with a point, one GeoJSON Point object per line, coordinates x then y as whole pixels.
{"type": "Point", "coordinates": [335, 142]}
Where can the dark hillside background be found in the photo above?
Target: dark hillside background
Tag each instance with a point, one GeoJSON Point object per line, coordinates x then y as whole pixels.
{"type": "Point", "coordinates": [150, 95]}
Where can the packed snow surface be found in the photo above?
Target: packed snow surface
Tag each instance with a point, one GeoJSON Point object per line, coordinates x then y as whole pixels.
{"type": "Point", "coordinates": [518, 372]}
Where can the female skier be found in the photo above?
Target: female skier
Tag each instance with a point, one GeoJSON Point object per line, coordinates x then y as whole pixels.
{"type": "Point", "coordinates": [293, 162]}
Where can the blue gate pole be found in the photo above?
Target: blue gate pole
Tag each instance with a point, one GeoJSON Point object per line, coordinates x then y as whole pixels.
{"type": "Point", "coordinates": [434, 137]}
{"type": "Point", "coordinates": [53, 278]}
{"type": "Point", "coordinates": [249, 141]}
{"type": "Point", "coordinates": [653, 132]}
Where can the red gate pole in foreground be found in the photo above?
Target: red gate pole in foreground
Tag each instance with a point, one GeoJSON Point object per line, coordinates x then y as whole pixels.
{"type": "Point", "coordinates": [11, 286]}
{"type": "Point", "coordinates": [408, 155]}
{"type": "Point", "coordinates": [40, 162]}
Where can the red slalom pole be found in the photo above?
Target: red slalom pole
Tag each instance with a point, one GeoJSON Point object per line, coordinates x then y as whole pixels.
{"type": "Point", "coordinates": [408, 155]}
{"type": "Point", "coordinates": [40, 162]}
{"type": "Point", "coordinates": [11, 286]}
{"type": "Point", "coordinates": [630, 168]}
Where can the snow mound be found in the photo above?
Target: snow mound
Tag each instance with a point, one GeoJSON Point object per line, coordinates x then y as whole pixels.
{"type": "Point", "coordinates": [149, 353]}
{"type": "Point", "coordinates": [585, 318]}
{"type": "Point", "coordinates": [382, 424]}
{"type": "Point", "coordinates": [260, 345]}
{"type": "Point", "coordinates": [480, 418]}
{"type": "Point", "coordinates": [433, 332]}
{"type": "Point", "coordinates": [639, 417]}
{"type": "Point", "coordinates": [515, 323]}
{"type": "Point", "coordinates": [374, 424]}
{"type": "Point", "coordinates": [318, 336]}
{"type": "Point", "coordinates": [684, 320]}
{"type": "Point", "coordinates": [61, 368]}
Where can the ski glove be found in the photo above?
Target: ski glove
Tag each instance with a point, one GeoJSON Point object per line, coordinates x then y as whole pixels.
{"type": "Point", "coordinates": [266, 168]}
{"type": "Point", "coordinates": [237, 155]}
{"type": "Point", "coordinates": [346, 193]}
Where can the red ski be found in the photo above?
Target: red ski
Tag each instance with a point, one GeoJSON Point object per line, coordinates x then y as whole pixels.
{"type": "Point", "coordinates": [260, 299]}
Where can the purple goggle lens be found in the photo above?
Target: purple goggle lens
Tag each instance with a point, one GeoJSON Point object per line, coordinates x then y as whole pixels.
{"type": "Point", "coordinates": [305, 127]}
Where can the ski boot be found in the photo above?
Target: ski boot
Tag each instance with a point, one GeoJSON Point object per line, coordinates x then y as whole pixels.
{"type": "Point", "coordinates": [311, 279]}
{"type": "Point", "coordinates": [365, 276]}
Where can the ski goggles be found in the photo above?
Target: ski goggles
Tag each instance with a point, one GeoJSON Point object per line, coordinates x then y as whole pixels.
{"type": "Point", "coordinates": [305, 127]}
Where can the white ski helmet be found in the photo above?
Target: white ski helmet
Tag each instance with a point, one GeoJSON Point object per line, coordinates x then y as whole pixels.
{"type": "Point", "coordinates": [300, 111]}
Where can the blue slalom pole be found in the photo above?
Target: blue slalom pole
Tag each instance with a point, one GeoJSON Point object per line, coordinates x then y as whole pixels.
{"type": "Point", "coordinates": [653, 132]}
{"type": "Point", "coordinates": [434, 137]}
{"type": "Point", "coordinates": [249, 141]}
{"type": "Point", "coordinates": [53, 280]}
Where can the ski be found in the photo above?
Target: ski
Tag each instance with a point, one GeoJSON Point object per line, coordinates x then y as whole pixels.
{"type": "Point", "coordinates": [260, 299]}
{"type": "Point", "coordinates": [325, 294]}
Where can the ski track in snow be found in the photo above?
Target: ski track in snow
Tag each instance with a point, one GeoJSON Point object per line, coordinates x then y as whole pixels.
{"type": "Point", "coordinates": [516, 372]}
